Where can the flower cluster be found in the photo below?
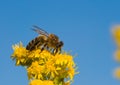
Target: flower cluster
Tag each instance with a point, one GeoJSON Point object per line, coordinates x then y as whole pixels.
{"type": "Point", "coordinates": [116, 36]}
{"type": "Point", "coordinates": [44, 68]}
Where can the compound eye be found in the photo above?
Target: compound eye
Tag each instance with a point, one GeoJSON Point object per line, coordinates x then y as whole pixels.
{"type": "Point", "coordinates": [61, 43]}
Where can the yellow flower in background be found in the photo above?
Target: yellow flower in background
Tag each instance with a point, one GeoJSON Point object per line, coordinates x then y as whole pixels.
{"type": "Point", "coordinates": [117, 73]}
{"type": "Point", "coordinates": [116, 34]}
{"type": "Point", "coordinates": [117, 55]}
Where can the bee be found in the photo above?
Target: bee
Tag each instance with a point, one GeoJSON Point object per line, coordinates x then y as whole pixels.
{"type": "Point", "coordinates": [46, 41]}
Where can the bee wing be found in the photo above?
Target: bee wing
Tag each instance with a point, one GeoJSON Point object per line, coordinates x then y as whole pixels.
{"type": "Point", "coordinates": [40, 30]}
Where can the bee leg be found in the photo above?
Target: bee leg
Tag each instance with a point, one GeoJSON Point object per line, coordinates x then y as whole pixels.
{"type": "Point", "coordinates": [59, 50]}
{"type": "Point", "coordinates": [47, 48]}
{"type": "Point", "coordinates": [51, 50]}
{"type": "Point", "coordinates": [55, 51]}
{"type": "Point", "coordinates": [43, 47]}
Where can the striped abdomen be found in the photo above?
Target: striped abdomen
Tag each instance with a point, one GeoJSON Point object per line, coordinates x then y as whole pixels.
{"type": "Point", "coordinates": [35, 43]}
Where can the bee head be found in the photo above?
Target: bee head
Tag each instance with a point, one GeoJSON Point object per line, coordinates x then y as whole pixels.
{"type": "Point", "coordinates": [60, 44]}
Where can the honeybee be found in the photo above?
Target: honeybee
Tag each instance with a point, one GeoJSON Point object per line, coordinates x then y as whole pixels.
{"type": "Point", "coordinates": [46, 41]}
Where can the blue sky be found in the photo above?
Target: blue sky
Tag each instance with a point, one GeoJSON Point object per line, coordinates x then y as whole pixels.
{"type": "Point", "coordinates": [83, 25]}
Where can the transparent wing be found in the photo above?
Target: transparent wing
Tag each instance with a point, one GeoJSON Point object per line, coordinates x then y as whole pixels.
{"type": "Point", "coordinates": [40, 30]}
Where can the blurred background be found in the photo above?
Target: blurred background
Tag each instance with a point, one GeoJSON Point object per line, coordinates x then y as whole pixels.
{"type": "Point", "coordinates": [83, 25]}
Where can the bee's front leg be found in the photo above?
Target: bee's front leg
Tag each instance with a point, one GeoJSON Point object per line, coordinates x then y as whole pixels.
{"type": "Point", "coordinates": [60, 50]}
{"type": "Point", "coordinates": [55, 51]}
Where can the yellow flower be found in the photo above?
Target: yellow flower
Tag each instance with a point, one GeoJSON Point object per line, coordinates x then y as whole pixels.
{"type": "Point", "coordinates": [116, 34]}
{"type": "Point", "coordinates": [64, 60]}
{"type": "Point", "coordinates": [48, 82]}
{"type": "Point", "coordinates": [39, 82]}
{"type": "Point", "coordinates": [67, 83]}
{"type": "Point", "coordinates": [20, 53]}
{"type": "Point", "coordinates": [44, 66]}
{"type": "Point", "coordinates": [117, 73]}
{"type": "Point", "coordinates": [117, 55]}
{"type": "Point", "coordinates": [50, 68]}
{"type": "Point", "coordinates": [40, 55]}
{"type": "Point", "coordinates": [71, 73]}
{"type": "Point", "coordinates": [34, 54]}
{"type": "Point", "coordinates": [36, 82]}
{"type": "Point", "coordinates": [35, 71]}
